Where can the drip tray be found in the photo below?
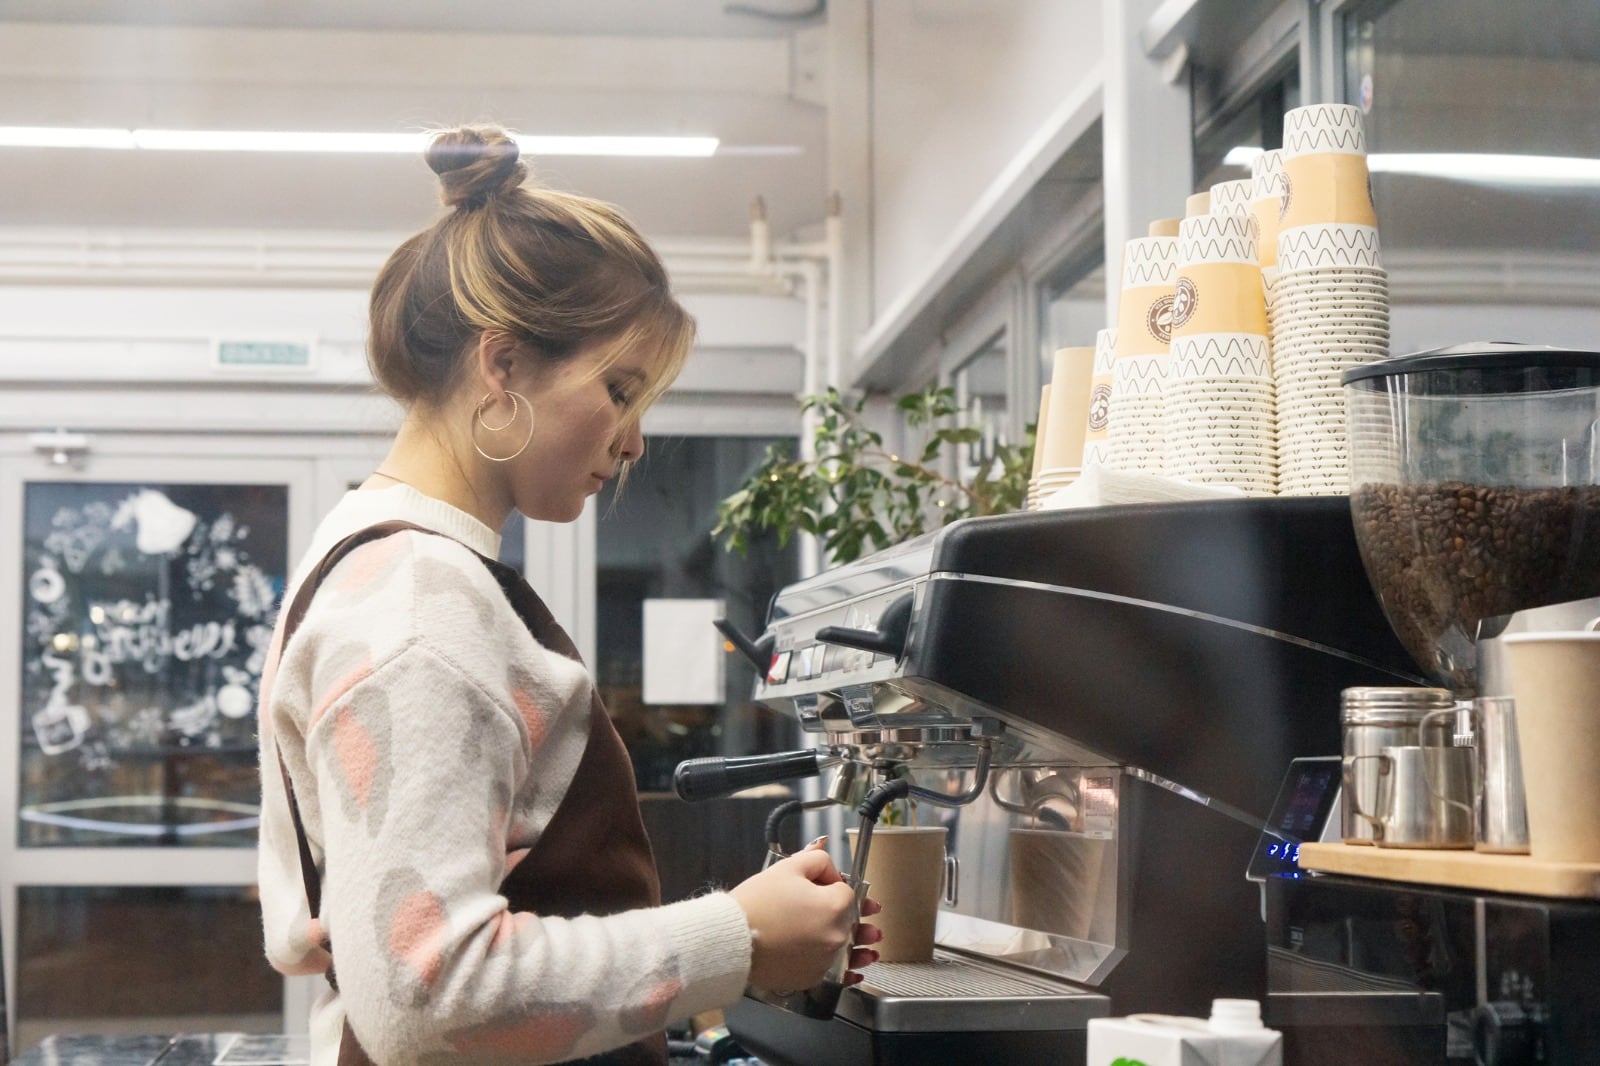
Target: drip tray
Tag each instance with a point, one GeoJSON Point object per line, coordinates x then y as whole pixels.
{"type": "Point", "coordinates": [956, 993]}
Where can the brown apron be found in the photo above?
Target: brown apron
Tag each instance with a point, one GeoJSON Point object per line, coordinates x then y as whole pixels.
{"type": "Point", "coordinates": [593, 857]}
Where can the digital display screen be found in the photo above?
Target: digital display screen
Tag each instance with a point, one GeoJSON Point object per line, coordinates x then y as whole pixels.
{"type": "Point", "coordinates": [1305, 801]}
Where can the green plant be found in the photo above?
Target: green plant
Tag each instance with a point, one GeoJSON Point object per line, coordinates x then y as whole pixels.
{"type": "Point", "coordinates": [856, 496]}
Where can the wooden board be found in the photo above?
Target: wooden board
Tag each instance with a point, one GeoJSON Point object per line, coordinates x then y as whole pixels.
{"type": "Point", "coordinates": [1457, 869]}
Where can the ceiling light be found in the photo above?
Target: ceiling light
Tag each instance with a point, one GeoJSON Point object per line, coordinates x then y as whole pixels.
{"type": "Point", "coordinates": [290, 141]}
{"type": "Point", "coordinates": [1487, 168]}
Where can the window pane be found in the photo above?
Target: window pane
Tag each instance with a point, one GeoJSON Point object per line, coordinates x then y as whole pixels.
{"type": "Point", "coordinates": [1503, 245]}
{"type": "Point", "coordinates": [654, 540]}
{"type": "Point", "coordinates": [147, 612]}
{"type": "Point", "coordinates": [164, 959]}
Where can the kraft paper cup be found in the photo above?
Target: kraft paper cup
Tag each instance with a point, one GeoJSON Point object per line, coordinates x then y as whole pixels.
{"type": "Point", "coordinates": [1070, 383]}
{"type": "Point", "coordinates": [1218, 298]}
{"type": "Point", "coordinates": [1327, 188]}
{"type": "Point", "coordinates": [1266, 204]}
{"type": "Point", "coordinates": [1163, 227]}
{"type": "Point", "coordinates": [1328, 244]}
{"type": "Point", "coordinates": [1041, 426]}
{"type": "Point", "coordinates": [1097, 426]}
{"type": "Point", "coordinates": [1322, 128]}
{"type": "Point", "coordinates": [1231, 197]}
{"type": "Point", "coordinates": [1555, 680]}
{"type": "Point", "coordinates": [1197, 205]}
{"type": "Point", "coordinates": [1144, 307]}
{"type": "Point", "coordinates": [906, 869]}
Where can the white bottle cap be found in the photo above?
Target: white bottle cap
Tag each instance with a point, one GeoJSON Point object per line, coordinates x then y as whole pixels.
{"type": "Point", "coordinates": [1235, 1015]}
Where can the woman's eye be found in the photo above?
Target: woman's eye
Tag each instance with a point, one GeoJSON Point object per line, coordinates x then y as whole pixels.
{"type": "Point", "coordinates": [619, 396]}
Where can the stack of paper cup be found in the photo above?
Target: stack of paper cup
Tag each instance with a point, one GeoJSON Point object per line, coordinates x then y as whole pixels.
{"type": "Point", "coordinates": [1040, 424]}
{"type": "Point", "coordinates": [1097, 431]}
{"type": "Point", "coordinates": [1218, 421]}
{"type": "Point", "coordinates": [1231, 197]}
{"type": "Point", "coordinates": [1065, 426]}
{"type": "Point", "coordinates": [1330, 297]}
{"type": "Point", "coordinates": [1143, 351]}
{"type": "Point", "coordinates": [1266, 207]}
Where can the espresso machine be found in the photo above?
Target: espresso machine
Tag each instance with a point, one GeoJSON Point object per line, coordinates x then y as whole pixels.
{"type": "Point", "coordinates": [1099, 706]}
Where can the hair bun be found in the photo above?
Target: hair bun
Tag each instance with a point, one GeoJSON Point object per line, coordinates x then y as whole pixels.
{"type": "Point", "coordinates": [473, 164]}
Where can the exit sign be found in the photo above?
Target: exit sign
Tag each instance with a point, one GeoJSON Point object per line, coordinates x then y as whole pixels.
{"type": "Point", "coordinates": [263, 354]}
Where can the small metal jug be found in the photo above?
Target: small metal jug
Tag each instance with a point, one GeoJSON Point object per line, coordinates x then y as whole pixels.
{"type": "Point", "coordinates": [1501, 806]}
{"type": "Point", "coordinates": [1424, 794]}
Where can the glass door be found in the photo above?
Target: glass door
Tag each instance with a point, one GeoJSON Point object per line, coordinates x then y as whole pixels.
{"type": "Point", "coordinates": [137, 597]}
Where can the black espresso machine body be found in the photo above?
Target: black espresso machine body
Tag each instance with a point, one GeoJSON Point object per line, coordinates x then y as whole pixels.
{"type": "Point", "coordinates": [1143, 674]}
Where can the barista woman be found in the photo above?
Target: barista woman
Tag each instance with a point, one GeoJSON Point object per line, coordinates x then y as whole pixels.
{"type": "Point", "coordinates": [450, 829]}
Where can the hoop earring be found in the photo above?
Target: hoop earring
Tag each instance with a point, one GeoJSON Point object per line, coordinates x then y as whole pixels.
{"type": "Point", "coordinates": [518, 402]}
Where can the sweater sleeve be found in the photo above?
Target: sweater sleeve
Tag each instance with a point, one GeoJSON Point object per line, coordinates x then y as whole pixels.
{"type": "Point", "coordinates": [421, 763]}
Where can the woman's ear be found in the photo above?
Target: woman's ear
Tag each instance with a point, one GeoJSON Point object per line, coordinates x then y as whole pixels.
{"type": "Point", "coordinates": [496, 360]}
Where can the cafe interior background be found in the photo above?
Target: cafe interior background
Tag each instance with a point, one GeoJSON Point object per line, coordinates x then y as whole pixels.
{"type": "Point", "coordinates": [901, 193]}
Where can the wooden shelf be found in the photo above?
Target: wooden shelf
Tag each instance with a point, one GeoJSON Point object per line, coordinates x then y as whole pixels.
{"type": "Point", "coordinates": [1519, 874]}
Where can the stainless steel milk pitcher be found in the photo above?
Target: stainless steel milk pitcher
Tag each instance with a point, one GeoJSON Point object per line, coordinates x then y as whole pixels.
{"type": "Point", "coordinates": [1502, 810]}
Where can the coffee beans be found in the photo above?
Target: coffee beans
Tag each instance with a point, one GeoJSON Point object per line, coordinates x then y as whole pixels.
{"type": "Point", "coordinates": [1447, 558]}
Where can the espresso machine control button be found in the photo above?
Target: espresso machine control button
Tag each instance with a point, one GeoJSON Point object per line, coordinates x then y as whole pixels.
{"type": "Point", "coordinates": [1502, 1035]}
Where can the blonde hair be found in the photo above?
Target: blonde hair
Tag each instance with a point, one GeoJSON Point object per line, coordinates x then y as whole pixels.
{"type": "Point", "coordinates": [556, 271]}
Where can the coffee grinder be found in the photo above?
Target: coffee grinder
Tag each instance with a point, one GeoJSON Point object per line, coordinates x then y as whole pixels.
{"type": "Point", "coordinates": [1474, 501]}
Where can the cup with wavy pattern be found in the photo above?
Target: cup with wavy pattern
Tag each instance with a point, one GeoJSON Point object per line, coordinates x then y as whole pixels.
{"type": "Point", "coordinates": [1097, 426]}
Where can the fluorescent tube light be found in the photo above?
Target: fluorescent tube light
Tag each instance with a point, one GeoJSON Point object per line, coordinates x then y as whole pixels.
{"type": "Point", "coordinates": [1486, 168]}
{"type": "Point", "coordinates": [58, 137]}
{"type": "Point", "coordinates": [290, 141]}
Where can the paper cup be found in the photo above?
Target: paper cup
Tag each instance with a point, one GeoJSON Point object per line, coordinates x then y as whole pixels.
{"type": "Point", "coordinates": [1266, 204]}
{"type": "Point", "coordinates": [1231, 197]}
{"type": "Point", "coordinates": [1328, 244]}
{"type": "Point", "coordinates": [1144, 307]}
{"type": "Point", "coordinates": [1070, 384]}
{"type": "Point", "coordinates": [1041, 426]}
{"type": "Point", "coordinates": [1197, 205]}
{"type": "Point", "coordinates": [1097, 425]}
{"type": "Point", "coordinates": [1323, 128]}
{"type": "Point", "coordinates": [905, 867]}
{"type": "Point", "coordinates": [1555, 680]}
{"type": "Point", "coordinates": [1330, 188]}
{"type": "Point", "coordinates": [1218, 298]}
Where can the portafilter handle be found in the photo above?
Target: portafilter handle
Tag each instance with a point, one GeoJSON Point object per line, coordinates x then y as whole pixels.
{"type": "Point", "coordinates": [708, 778]}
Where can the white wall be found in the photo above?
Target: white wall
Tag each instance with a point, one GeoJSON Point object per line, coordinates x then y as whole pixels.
{"type": "Point", "coordinates": [958, 88]}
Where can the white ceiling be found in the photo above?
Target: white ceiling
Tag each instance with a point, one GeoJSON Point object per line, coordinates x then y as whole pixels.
{"type": "Point", "coordinates": [551, 66]}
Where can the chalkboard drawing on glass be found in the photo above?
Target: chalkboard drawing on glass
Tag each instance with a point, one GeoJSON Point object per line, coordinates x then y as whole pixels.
{"type": "Point", "coordinates": [147, 613]}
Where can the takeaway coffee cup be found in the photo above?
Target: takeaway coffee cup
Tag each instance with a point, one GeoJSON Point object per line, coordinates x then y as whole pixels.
{"type": "Point", "coordinates": [1555, 680]}
{"type": "Point", "coordinates": [907, 866]}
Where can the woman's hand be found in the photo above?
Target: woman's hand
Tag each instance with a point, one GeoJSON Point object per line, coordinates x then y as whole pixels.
{"type": "Point", "coordinates": [799, 913]}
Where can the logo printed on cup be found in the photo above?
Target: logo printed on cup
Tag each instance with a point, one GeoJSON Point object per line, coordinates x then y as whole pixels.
{"type": "Point", "coordinates": [1185, 301]}
{"type": "Point", "coordinates": [1158, 320]}
{"type": "Point", "coordinates": [1100, 408]}
{"type": "Point", "coordinates": [1285, 196]}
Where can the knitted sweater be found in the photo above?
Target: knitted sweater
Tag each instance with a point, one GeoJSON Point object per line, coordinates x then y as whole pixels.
{"type": "Point", "coordinates": [430, 739]}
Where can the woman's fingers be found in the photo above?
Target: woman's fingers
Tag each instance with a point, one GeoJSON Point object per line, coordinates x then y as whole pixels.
{"type": "Point", "coordinates": [861, 958]}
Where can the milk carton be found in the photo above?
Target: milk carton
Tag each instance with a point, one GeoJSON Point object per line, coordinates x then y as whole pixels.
{"type": "Point", "coordinates": [1232, 1036]}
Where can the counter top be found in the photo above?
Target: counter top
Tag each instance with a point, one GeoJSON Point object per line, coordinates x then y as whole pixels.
{"type": "Point", "coordinates": [188, 1049]}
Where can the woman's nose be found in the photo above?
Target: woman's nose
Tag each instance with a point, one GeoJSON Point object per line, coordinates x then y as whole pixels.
{"type": "Point", "coordinates": [631, 444]}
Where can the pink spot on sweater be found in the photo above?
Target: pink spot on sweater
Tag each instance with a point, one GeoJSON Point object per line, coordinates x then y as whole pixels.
{"type": "Point", "coordinates": [651, 1013]}
{"type": "Point", "coordinates": [362, 671]}
{"type": "Point", "coordinates": [357, 754]}
{"type": "Point", "coordinates": [315, 937]}
{"type": "Point", "coordinates": [417, 932]}
{"type": "Point", "coordinates": [532, 715]}
{"type": "Point", "coordinates": [367, 562]}
{"type": "Point", "coordinates": [512, 858]}
{"type": "Point", "coordinates": [548, 1037]}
